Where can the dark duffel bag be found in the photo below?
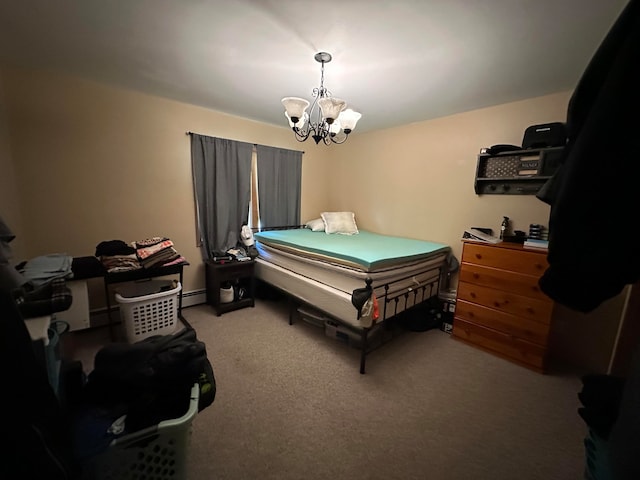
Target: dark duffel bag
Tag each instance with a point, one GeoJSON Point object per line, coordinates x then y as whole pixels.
{"type": "Point", "coordinates": [151, 378]}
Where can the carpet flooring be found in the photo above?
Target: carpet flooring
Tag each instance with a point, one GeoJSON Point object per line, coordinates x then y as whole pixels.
{"type": "Point", "coordinates": [291, 404]}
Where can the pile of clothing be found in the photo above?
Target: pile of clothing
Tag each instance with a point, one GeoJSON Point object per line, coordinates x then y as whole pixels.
{"type": "Point", "coordinates": [117, 256]}
{"type": "Point", "coordinates": [153, 252]}
{"type": "Point", "coordinates": [40, 287]}
{"type": "Point", "coordinates": [157, 252]}
{"type": "Point", "coordinates": [41, 270]}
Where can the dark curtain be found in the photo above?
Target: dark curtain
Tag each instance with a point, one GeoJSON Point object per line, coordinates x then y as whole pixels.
{"type": "Point", "coordinates": [222, 183]}
{"type": "Point", "coordinates": [279, 186]}
{"type": "Point", "coordinates": [594, 196]}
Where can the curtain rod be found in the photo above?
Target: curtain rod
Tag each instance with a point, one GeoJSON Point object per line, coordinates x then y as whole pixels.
{"type": "Point", "coordinates": [255, 144]}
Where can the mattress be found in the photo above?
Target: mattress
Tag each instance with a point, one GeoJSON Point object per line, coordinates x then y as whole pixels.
{"type": "Point", "coordinates": [323, 270]}
{"type": "Point", "coordinates": [366, 251]}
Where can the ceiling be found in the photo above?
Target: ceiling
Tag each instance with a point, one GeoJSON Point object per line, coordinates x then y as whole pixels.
{"type": "Point", "coordinates": [396, 62]}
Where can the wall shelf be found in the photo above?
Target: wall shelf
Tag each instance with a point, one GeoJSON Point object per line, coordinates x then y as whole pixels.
{"type": "Point", "coordinates": [517, 172]}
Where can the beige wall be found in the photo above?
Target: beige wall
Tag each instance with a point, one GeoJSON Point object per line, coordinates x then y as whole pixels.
{"type": "Point", "coordinates": [95, 163]}
{"type": "Point", "coordinates": [417, 180]}
{"type": "Point", "coordinates": [9, 195]}
{"type": "Point", "coordinates": [82, 163]}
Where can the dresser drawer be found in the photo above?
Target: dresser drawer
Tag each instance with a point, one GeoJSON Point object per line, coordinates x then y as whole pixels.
{"type": "Point", "coordinates": [500, 343]}
{"type": "Point", "coordinates": [530, 308]}
{"type": "Point", "coordinates": [521, 261]}
{"type": "Point", "coordinates": [519, 283]}
{"type": "Point", "coordinates": [506, 323]}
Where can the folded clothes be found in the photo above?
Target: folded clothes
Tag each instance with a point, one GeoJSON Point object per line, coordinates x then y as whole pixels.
{"type": "Point", "coordinates": [119, 263]}
{"type": "Point", "coordinates": [154, 249]}
{"type": "Point", "coordinates": [148, 242]}
{"type": "Point", "coordinates": [43, 269]}
{"type": "Point", "coordinates": [160, 258]}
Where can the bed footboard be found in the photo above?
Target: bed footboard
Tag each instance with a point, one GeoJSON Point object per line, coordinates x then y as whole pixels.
{"type": "Point", "coordinates": [393, 301]}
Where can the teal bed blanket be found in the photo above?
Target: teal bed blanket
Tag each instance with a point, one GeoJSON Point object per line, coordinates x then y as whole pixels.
{"type": "Point", "coordinates": [365, 250]}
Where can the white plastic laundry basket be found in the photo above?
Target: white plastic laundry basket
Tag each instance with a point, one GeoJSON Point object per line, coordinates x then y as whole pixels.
{"type": "Point", "coordinates": [156, 453]}
{"type": "Point", "coordinates": [152, 314]}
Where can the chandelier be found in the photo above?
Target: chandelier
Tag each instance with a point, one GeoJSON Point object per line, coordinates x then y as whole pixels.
{"type": "Point", "coordinates": [328, 120]}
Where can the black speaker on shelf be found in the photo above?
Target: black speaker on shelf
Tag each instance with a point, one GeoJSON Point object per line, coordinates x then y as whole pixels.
{"type": "Point", "coordinates": [545, 135]}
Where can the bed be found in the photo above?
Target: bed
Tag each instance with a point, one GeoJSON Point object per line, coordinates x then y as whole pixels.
{"type": "Point", "coordinates": [344, 275]}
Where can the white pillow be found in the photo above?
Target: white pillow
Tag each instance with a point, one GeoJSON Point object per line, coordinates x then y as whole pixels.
{"type": "Point", "coordinates": [316, 225]}
{"type": "Point", "coordinates": [340, 222]}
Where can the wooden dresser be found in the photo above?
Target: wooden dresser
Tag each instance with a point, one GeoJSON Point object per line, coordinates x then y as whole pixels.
{"type": "Point", "coordinates": [499, 306]}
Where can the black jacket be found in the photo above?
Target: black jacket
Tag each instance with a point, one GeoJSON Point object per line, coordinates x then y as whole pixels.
{"type": "Point", "coordinates": [595, 195]}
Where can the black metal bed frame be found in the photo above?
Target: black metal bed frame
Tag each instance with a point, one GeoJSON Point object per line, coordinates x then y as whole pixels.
{"type": "Point", "coordinates": [389, 297]}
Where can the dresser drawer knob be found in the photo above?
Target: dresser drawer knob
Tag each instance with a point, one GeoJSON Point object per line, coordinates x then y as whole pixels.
{"type": "Point", "coordinates": [476, 276]}
{"type": "Point", "coordinates": [478, 256]}
{"type": "Point", "coordinates": [472, 295]}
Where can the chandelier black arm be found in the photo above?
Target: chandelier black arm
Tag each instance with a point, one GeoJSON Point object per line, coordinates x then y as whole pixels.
{"type": "Point", "coordinates": [338, 139]}
{"type": "Point", "coordinates": [301, 136]}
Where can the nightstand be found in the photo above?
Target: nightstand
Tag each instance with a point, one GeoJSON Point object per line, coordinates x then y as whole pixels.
{"type": "Point", "coordinates": [234, 272]}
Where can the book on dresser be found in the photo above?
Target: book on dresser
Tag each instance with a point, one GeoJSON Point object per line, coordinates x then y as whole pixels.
{"type": "Point", "coordinates": [476, 235]}
{"type": "Point", "coordinates": [536, 243]}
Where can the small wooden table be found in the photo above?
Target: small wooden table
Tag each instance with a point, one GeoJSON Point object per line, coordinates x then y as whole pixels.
{"type": "Point", "coordinates": [217, 273]}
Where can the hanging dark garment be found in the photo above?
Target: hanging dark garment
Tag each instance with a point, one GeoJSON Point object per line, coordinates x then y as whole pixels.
{"type": "Point", "coordinates": [595, 194]}
{"type": "Point", "coordinates": [38, 438]}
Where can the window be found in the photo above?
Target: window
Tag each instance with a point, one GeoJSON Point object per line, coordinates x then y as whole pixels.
{"type": "Point", "coordinates": [238, 183]}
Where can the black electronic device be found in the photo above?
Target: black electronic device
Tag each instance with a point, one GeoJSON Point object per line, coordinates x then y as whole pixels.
{"type": "Point", "coordinates": [545, 135]}
{"type": "Point", "coordinates": [516, 172]}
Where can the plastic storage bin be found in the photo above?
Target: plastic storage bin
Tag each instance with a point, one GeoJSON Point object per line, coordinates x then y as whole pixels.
{"type": "Point", "coordinates": [158, 452]}
{"type": "Point", "coordinates": [312, 317]}
{"type": "Point", "coordinates": [145, 314]}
